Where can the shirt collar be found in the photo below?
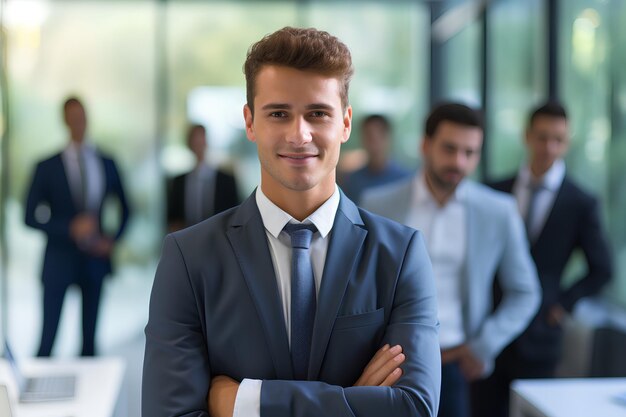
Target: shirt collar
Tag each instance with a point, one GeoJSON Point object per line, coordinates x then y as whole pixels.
{"type": "Point", "coordinates": [551, 180]}
{"type": "Point", "coordinates": [423, 194]}
{"type": "Point", "coordinates": [275, 219]}
{"type": "Point", "coordinates": [74, 149]}
{"type": "Point", "coordinates": [202, 170]}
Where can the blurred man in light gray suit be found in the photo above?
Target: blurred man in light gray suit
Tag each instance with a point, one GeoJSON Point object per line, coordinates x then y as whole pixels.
{"type": "Point", "coordinates": [472, 234]}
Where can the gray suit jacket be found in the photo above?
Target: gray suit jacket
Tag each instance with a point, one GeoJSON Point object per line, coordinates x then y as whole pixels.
{"type": "Point", "coordinates": [215, 310]}
{"type": "Point", "coordinates": [497, 246]}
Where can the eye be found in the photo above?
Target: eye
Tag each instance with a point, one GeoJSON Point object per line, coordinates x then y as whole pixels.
{"type": "Point", "coordinates": [449, 149]}
{"type": "Point", "coordinates": [318, 114]}
{"type": "Point", "coordinates": [278, 114]}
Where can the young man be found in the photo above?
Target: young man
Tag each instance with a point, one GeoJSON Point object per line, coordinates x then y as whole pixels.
{"type": "Point", "coordinates": [296, 302]}
{"type": "Point", "coordinates": [73, 185]}
{"type": "Point", "coordinates": [201, 193]}
{"type": "Point", "coordinates": [560, 218]}
{"type": "Point", "coordinates": [472, 233]}
{"type": "Point", "coordinates": [380, 169]}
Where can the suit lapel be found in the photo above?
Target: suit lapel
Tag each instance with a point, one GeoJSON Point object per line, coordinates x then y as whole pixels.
{"type": "Point", "coordinates": [67, 189]}
{"type": "Point", "coordinates": [402, 201]}
{"type": "Point", "coordinates": [247, 237]}
{"type": "Point", "coordinates": [346, 242]}
{"type": "Point", "coordinates": [558, 206]}
{"type": "Point", "coordinates": [473, 223]}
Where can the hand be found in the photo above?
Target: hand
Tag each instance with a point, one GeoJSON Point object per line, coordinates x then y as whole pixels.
{"type": "Point", "coordinates": [471, 366]}
{"type": "Point", "coordinates": [556, 314]}
{"type": "Point", "coordinates": [222, 394]}
{"type": "Point", "coordinates": [384, 368]}
{"type": "Point", "coordinates": [83, 227]}
{"type": "Point", "coordinates": [175, 226]}
{"type": "Point", "coordinates": [102, 247]}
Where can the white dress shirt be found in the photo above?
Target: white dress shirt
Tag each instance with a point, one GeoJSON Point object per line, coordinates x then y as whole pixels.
{"type": "Point", "coordinates": [445, 233]}
{"type": "Point", "coordinates": [93, 172]}
{"type": "Point", "coordinates": [550, 184]}
{"type": "Point", "coordinates": [200, 194]}
{"type": "Point", "coordinates": [248, 400]}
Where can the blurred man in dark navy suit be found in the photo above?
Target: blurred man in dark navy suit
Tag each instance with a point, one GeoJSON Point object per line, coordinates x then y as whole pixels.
{"type": "Point", "coordinates": [65, 201]}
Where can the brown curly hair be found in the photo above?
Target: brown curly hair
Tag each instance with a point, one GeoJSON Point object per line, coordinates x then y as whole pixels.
{"type": "Point", "coordinates": [303, 49]}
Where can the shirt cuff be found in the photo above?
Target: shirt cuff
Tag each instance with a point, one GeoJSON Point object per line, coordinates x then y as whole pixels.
{"type": "Point", "coordinates": [248, 399]}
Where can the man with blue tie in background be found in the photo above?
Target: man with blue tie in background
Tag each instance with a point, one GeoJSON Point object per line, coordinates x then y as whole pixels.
{"type": "Point", "coordinates": [65, 201]}
{"type": "Point", "coordinates": [561, 218]}
{"type": "Point", "coordinates": [296, 302]}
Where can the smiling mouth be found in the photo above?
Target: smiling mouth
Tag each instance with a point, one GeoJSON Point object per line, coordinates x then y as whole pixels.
{"type": "Point", "coordinates": [298, 156]}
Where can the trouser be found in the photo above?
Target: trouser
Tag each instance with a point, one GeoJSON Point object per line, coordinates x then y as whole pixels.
{"type": "Point", "coordinates": [53, 296]}
{"type": "Point", "coordinates": [454, 401]}
{"type": "Point", "coordinates": [490, 396]}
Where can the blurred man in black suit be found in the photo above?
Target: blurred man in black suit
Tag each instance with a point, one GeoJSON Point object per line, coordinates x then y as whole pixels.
{"type": "Point", "coordinates": [201, 193]}
{"type": "Point", "coordinates": [560, 218]}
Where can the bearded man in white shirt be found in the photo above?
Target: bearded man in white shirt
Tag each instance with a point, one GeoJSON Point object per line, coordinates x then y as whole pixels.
{"type": "Point", "coordinates": [472, 234]}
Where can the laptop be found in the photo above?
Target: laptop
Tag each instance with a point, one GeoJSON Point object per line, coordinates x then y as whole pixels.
{"type": "Point", "coordinates": [5, 404]}
{"type": "Point", "coordinates": [40, 389]}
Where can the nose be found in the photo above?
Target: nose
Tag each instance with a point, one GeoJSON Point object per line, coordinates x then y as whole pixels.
{"type": "Point", "coordinates": [552, 146]}
{"type": "Point", "coordinates": [460, 160]}
{"type": "Point", "coordinates": [300, 132]}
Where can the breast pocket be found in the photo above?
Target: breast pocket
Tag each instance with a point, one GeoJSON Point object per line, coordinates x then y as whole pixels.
{"type": "Point", "coordinates": [359, 320]}
{"type": "Point", "coordinates": [353, 342]}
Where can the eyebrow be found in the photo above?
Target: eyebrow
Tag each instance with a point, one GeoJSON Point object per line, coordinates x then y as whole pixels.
{"type": "Point", "coordinates": [285, 106]}
{"type": "Point", "coordinates": [276, 106]}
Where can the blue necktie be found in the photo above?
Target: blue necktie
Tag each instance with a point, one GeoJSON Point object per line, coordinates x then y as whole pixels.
{"type": "Point", "coordinates": [535, 189]}
{"type": "Point", "coordinates": [303, 302]}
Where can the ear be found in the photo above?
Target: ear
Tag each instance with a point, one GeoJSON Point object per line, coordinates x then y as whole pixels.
{"type": "Point", "coordinates": [347, 124]}
{"type": "Point", "coordinates": [249, 120]}
{"type": "Point", "coordinates": [425, 144]}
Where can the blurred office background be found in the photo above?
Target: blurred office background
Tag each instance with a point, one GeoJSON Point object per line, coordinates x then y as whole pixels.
{"type": "Point", "coordinates": [145, 68]}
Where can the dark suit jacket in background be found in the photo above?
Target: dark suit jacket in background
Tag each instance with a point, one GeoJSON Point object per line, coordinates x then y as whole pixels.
{"type": "Point", "coordinates": [574, 222]}
{"type": "Point", "coordinates": [50, 187]}
{"type": "Point", "coordinates": [226, 196]}
{"type": "Point", "coordinates": [215, 309]}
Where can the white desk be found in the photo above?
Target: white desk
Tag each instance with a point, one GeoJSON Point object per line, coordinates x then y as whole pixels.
{"type": "Point", "coordinates": [98, 386]}
{"type": "Point", "coordinates": [575, 397]}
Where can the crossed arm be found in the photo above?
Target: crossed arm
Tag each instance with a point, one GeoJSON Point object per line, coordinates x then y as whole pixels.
{"type": "Point", "coordinates": [382, 371]}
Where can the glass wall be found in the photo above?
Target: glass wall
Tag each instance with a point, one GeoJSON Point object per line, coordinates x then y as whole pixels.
{"type": "Point", "coordinates": [616, 154]}
{"type": "Point", "coordinates": [589, 84]}
{"type": "Point", "coordinates": [517, 78]}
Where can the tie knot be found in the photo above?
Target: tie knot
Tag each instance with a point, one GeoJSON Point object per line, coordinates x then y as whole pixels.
{"type": "Point", "coordinates": [301, 234]}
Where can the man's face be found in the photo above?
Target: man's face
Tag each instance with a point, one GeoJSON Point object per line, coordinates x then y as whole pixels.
{"type": "Point", "coordinates": [451, 154]}
{"type": "Point", "coordinates": [197, 143]}
{"type": "Point", "coordinates": [298, 126]}
{"type": "Point", "coordinates": [547, 140]}
{"type": "Point", "coordinates": [76, 121]}
{"type": "Point", "coordinates": [375, 139]}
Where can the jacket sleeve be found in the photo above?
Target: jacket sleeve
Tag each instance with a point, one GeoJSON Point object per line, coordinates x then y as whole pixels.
{"type": "Point", "coordinates": [55, 225]}
{"type": "Point", "coordinates": [118, 190]}
{"type": "Point", "coordinates": [176, 371]}
{"type": "Point", "coordinates": [595, 247]}
{"type": "Point", "coordinates": [413, 325]}
{"type": "Point", "coordinates": [521, 292]}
